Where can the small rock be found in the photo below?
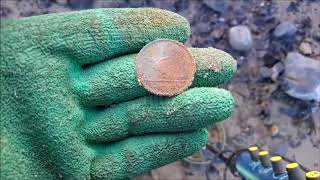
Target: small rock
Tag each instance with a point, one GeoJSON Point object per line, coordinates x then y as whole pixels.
{"type": "Point", "coordinates": [242, 90]}
{"type": "Point", "coordinates": [80, 4]}
{"type": "Point", "coordinates": [137, 3]}
{"type": "Point", "coordinates": [202, 27]}
{"type": "Point", "coordinates": [285, 29]}
{"type": "Point", "coordinates": [4, 11]}
{"type": "Point", "coordinates": [218, 6]}
{"type": "Point", "coordinates": [305, 23]}
{"type": "Point", "coordinates": [273, 130]}
{"type": "Point", "coordinates": [297, 111]}
{"type": "Point", "coordinates": [240, 60]}
{"type": "Point", "coordinates": [217, 33]}
{"type": "Point", "coordinates": [316, 116]}
{"type": "Point", "coordinates": [265, 72]}
{"type": "Point", "coordinates": [277, 69]}
{"type": "Point", "coordinates": [262, 44]}
{"type": "Point", "coordinates": [233, 22]}
{"type": "Point", "coordinates": [294, 141]}
{"type": "Point", "coordinates": [222, 19]}
{"type": "Point", "coordinates": [240, 38]}
{"type": "Point", "coordinates": [316, 49]}
{"type": "Point", "coordinates": [261, 54]}
{"type": "Point", "coordinates": [293, 7]}
{"type": "Point", "coordinates": [305, 48]}
{"type": "Point", "coordinates": [301, 78]}
{"type": "Point", "coordinates": [62, 2]}
{"type": "Point", "coordinates": [316, 35]}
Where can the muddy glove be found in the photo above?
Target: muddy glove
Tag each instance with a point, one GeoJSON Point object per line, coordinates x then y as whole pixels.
{"type": "Point", "coordinates": [72, 108]}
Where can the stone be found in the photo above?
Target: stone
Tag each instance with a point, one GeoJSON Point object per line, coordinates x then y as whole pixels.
{"type": "Point", "coordinates": [302, 77]}
{"type": "Point", "coordinates": [136, 3]}
{"type": "Point", "coordinates": [80, 4]}
{"type": "Point", "coordinates": [202, 27]}
{"type": "Point", "coordinates": [265, 72]}
{"type": "Point", "coordinates": [262, 44]}
{"type": "Point", "coordinates": [62, 2]}
{"type": "Point", "coordinates": [315, 114]}
{"type": "Point", "coordinates": [240, 38]}
{"type": "Point", "coordinates": [305, 48]}
{"type": "Point", "coordinates": [277, 69]}
{"type": "Point", "coordinates": [233, 22]}
{"type": "Point", "coordinates": [285, 29]}
{"type": "Point", "coordinates": [218, 6]}
{"type": "Point", "coordinates": [316, 35]}
{"type": "Point", "coordinates": [273, 130]}
{"type": "Point", "coordinates": [222, 19]}
{"type": "Point", "coordinates": [217, 33]}
{"type": "Point", "coordinates": [294, 141]}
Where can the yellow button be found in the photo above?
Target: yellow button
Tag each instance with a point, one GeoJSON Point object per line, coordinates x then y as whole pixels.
{"type": "Point", "coordinates": [253, 148]}
{"type": "Point", "coordinates": [263, 153]}
{"type": "Point", "coordinates": [275, 158]}
{"type": "Point", "coordinates": [313, 174]}
{"type": "Point", "coordinates": [292, 165]}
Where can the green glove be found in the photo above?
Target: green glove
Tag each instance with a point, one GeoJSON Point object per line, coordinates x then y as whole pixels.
{"type": "Point", "coordinates": [71, 106]}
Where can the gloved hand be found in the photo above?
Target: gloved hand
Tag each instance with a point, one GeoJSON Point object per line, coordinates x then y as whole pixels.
{"type": "Point", "coordinates": [72, 108]}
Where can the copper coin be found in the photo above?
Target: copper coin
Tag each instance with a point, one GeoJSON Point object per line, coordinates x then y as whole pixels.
{"type": "Point", "coordinates": [165, 67]}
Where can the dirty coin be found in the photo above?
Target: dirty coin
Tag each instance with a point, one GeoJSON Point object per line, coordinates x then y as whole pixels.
{"type": "Point", "coordinates": [165, 67]}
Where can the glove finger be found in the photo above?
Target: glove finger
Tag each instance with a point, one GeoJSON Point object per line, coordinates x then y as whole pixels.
{"type": "Point", "coordinates": [191, 110]}
{"type": "Point", "coordinates": [115, 80]}
{"type": "Point", "coordinates": [136, 155]}
{"type": "Point", "coordinates": [95, 35]}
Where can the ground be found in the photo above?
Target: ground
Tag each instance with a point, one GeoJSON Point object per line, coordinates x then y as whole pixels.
{"type": "Point", "coordinates": [264, 113]}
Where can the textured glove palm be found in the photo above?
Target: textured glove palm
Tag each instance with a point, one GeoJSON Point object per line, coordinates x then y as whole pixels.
{"type": "Point", "coordinates": [72, 108]}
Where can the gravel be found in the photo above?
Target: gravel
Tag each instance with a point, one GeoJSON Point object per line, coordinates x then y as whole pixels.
{"type": "Point", "coordinates": [240, 38]}
{"type": "Point", "coordinates": [302, 77]}
{"type": "Point", "coordinates": [285, 29]}
{"type": "Point", "coordinates": [305, 48]}
{"type": "Point", "coordinates": [277, 69]}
